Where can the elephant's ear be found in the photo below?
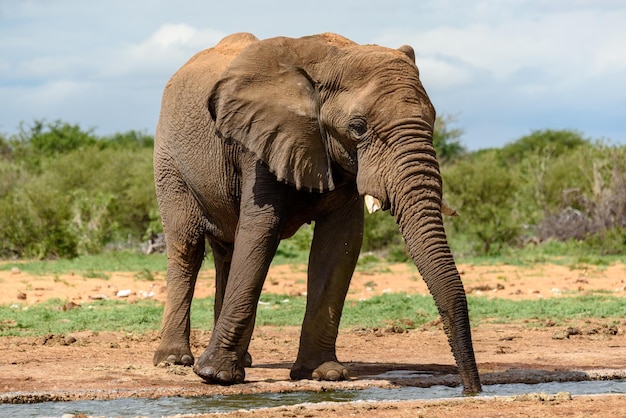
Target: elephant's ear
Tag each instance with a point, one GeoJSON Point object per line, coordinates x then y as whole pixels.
{"type": "Point", "coordinates": [272, 109]}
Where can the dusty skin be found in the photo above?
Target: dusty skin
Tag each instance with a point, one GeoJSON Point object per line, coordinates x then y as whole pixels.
{"type": "Point", "coordinates": [87, 365]}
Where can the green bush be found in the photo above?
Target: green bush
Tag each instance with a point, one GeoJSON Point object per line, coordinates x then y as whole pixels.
{"type": "Point", "coordinates": [36, 220]}
{"type": "Point", "coordinates": [485, 193]}
{"type": "Point", "coordinates": [65, 192]}
{"type": "Point", "coordinates": [447, 140]}
{"type": "Point", "coordinates": [381, 232]}
{"type": "Point", "coordinates": [541, 142]}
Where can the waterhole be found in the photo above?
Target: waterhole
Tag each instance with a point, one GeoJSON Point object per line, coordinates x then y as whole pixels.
{"type": "Point", "coordinates": [227, 403]}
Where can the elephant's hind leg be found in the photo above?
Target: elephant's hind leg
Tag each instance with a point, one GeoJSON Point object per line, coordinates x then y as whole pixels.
{"type": "Point", "coordinates": [185, 239]}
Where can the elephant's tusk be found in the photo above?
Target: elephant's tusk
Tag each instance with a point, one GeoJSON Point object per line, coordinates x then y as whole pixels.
{"type": "Point", "coordinates": [446, 209]}
{"type": "Point", "coordinates": [372, 204]}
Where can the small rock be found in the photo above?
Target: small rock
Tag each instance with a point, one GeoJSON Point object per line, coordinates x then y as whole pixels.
{"type": "Point", "coordinates": [52, 340]}
{"type": "Point", "coordinates": [563, 396]}
{"type": "Point", "coordinates": [15, 270]}
{"type": "Point", "coordinates": [591, 330]}
{"type": "Point", "coordinates": [145, 295]}
{"type": "Point", "coordinates": [178, 370]}
{"type": "Point", "coordinates": [21, 296]}
{"type": "Point", "coordinates": [70, 305]}
{"type": "Point", "coordinates": [123, 293]}
{"type": "Point", "coordinates": [610, 329]}
{"type": "Point", "coordinates": [99, 296]}
{"type": "Point", "coordinates": [566, 333]}
{"type": "Point", "coordinates": [544, 397]}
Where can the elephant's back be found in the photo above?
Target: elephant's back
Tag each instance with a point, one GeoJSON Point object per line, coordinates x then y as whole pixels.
{"type": "Point", "coordinates": [213, 61]}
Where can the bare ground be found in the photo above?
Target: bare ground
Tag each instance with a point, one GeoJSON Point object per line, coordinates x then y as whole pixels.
{"type": "Point", "coordinates": [91, 365]}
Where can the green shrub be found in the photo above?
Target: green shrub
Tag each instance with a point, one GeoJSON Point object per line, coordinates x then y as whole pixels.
{"type": "Point", "coordinates": [296, 248]}
{"type": "Point", "coordinates": [485, 193]}
{"type": "Point", "coordinates": [35, 224]}
{"type": "Point", "coordinates": [541, 142]}
{"type": "Point", "coordinates": [447, 140]}
{"type": "Point", "coordinates": [65, 192]}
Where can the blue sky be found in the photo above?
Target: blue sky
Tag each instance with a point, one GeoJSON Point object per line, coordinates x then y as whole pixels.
{"type": "Point", "coordinates": [501, 68]}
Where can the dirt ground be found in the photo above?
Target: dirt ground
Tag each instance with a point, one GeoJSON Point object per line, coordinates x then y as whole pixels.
{"type": "Point", "coordinates": [90, 365]}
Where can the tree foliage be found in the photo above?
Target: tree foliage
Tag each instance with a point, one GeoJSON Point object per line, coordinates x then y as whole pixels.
{"type": "Point", "coordinates": [547, 142]}
{"type": "Point", "coordinates": [484, 191]}
{"type": "Point", "coordinates": [65, 191]}
{"type": "Point", "coordinates": [546, 185]}
{"type": "Point", "coordinates": [447, 139]}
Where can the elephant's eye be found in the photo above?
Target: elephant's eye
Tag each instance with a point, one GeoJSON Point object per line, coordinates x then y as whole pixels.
{"type": "Point", "coordinates": [358, 127]}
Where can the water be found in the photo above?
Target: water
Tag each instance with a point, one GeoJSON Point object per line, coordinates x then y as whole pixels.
{"type": "Point", "coordinates": [212, 404]}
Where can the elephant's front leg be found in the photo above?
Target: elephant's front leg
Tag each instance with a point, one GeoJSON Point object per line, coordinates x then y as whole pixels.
{"type": "Point", "coordinates": [257, 238]}
{"type": "Point", "coordinates": [222, 256]}
{"type": "Point", "coordinates": [334, 252]}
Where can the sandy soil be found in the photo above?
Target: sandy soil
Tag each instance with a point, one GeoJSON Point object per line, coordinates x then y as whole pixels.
{"type": "Point", "coordinates": [91, 365]}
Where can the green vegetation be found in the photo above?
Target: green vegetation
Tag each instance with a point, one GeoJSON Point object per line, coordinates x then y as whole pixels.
{"type": "Point", "coordinates": [549, 185]}
{"type": "Point", "coordinates": [65, 193]}
{"type": "Point", "coordinates": [106, 261]}
{"type": "Point", "coordinates": [49, 318]}
{"type": "Point", "coordinates": [388, 311]}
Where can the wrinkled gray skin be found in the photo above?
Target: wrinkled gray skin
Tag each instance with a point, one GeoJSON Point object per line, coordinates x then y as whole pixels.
{"type": "Point", "coordinates": [256, 138]}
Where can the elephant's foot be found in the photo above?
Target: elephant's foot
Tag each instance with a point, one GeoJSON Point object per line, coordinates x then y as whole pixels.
{"type": "Point", "coordinates": [221, 368]}
{"type": "Point", "coordinates": [330, 370]}
{"type": "Point", "coordinates": [173, 355]}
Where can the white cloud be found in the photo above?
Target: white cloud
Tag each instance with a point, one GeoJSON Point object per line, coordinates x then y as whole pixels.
{"type": "Point", "coordinates": [438, 71]}
{"type": "Point", "coordinates": [565, 46]}
{"type": "Point", "coordinates": [161, 53]}
{"type": "Point", "coordinates": [56, 93]}
{"type": "Point", "coordinates": [171, 37]}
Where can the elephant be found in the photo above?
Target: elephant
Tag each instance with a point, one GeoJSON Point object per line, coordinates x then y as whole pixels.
{"type": "Point", "coordinates": [255, 138]}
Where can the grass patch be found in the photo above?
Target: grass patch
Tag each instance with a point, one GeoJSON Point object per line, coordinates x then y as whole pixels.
{"type": "Point", "coordinates": [49, 318]}
{"type": "Point", "coordinates": [559, 310]}
{"type": "Point", "coordinates": [92, 265]}
{"type": "Point", "coordinates": [93, 274]}
{"type": "Point", "coordinates": [372, 263]}
{"type": "Point", "coordinates": [287, 254]}
{"type": "Point", "coordinates": [296, 251]}
{"type": "Point", "coordinates": [278, 310]}
{"type": "Point", "coordinates": [569, 253]}
{"type": "Point", "coordinates": [390, 308]}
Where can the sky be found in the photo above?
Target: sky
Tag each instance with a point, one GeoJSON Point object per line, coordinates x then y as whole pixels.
{"type": "Point", "coordinates": [500, 68]}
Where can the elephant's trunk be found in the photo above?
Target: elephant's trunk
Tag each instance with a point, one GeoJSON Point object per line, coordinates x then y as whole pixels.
{"type": "Point", "coordinates": [415, 199]}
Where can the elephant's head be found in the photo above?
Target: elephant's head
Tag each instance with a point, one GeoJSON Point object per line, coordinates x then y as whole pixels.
{"type": "Point", "coordinates": [321, 108]}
